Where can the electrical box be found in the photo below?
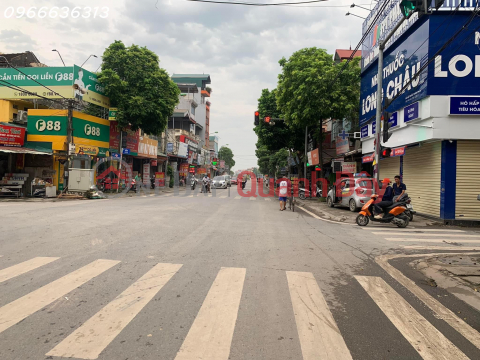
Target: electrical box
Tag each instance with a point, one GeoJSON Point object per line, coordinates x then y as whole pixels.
{"type": "Point", "coordinates": [80, 179]}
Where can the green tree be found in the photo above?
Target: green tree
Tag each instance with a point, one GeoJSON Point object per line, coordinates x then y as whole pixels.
{"type": "Point", "coordinates": [226, 154]}
{"type": "Point", "coordinates": [307, 93]}
{"type": "Point", "coordinates": [263, 156]}
{"type": "Point", "coordinates": [142, 91]}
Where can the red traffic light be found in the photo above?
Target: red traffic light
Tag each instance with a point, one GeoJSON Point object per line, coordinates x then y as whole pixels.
{"type": "Point", "coordinates": [257, 113]}
{"type": "Point", "coordinates": [318, 168]}
{"type": "Point", "coordinates": [386, 153]}
{"type": "Point", "coordinates": [267, 119]}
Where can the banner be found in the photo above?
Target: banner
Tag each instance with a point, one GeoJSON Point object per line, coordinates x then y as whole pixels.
{"type": "Point", "coordinates": [342, 145]}
{"type": "Point", "coordinates": [159, 179]}
{"type": "Point", "coordinates": [86, 150]}
{"type": "Point", "coordinates": [11, 135]}
{"type": "Point", "coordinates": [132, 138]}
{"type": "Point", "coordinates": [147, 147]}
{"type": "Point", "coordinates": [70, 82]}
{"type": "Point", "coordinates": [146, 174]}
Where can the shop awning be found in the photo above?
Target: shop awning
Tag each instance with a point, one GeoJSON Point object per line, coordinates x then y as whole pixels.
{"type": "Point", "coordinates": [21, 150]}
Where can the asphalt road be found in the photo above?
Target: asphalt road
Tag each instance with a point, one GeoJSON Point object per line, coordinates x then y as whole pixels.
{"type": "Point", "coordinates": [216, 278]}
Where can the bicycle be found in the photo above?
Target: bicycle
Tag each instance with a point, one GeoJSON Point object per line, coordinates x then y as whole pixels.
{"type": "Point", "coordinates": [291, 202]}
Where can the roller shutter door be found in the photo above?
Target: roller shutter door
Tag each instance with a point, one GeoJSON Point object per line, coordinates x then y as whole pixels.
{"type": "Point", "coordinates": [468, 180]}
{"type": "Point", "coordinates": [422, 168]}
{"type": "Point", "coordinates": [389, 168]}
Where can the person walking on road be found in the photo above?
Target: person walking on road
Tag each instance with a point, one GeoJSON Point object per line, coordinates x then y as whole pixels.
{"type": "Point", "coordinates": [282, 194]}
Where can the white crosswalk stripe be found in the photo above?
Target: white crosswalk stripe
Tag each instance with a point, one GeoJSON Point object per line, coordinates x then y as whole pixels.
{"type": "Point", "coordinates": [433, 240]}
{"type": "Point", "coordinates": [253, 198]}
{"type": "Point", "coordinates": [19, 309]}
{"type": "Point", "coordinates": [430, 343]}
{"type": "Point", "coordinates": [319, 335]}
{"type": "Point", "coordinates": [428, 234]}
{"type": "Point", "coordinates": [412, 230]}
{"type": "Point", "coordinates": [211, 334]}
{"type": "Point", "coordinates": [88, 341]}
{"type": "Point", "coordinates": [24, 267]}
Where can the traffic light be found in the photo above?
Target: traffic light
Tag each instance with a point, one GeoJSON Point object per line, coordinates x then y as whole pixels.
{"type": "Point", "coordinates": [257, 118]}
{"type": "Point", "coordinates": [267, 119]}
{"type": "Point", "coordinates": [408, 7]}
{"type": "Point", "coordinates": [308, 164]}
{"type": "Point", "coordinates": [318, 168]}
{"type": "Point", "coordinates": [385, 152]}
{"type": "Point", "coordinates": [214, 162]}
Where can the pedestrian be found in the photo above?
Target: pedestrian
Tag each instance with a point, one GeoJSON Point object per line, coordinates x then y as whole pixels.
{"type": "Point", "coordinates": [138, 181]}
{"type": "Point", "coordinates": [387, 199]}
{"type": "Point", "coordinates": [282, 193]}
{"type": "Point", "coordinates": [399, 188]}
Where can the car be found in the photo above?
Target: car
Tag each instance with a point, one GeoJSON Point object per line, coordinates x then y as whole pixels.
{"type": "Point", "coordinates": [342, 193]}
{"type": "Point", "coordinates": [220, 182]}
{"type": "Point", "coordinates": [233, 181]}
{"type": "Point", "coordinates": [228, 179]}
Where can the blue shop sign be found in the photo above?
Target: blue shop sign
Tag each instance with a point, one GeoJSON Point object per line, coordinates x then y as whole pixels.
{"type": "Point", "coordinates": [393, 121]}
{"type": "Point", "coordinates": [169, 147]}
{"type": "Point", "coordinates": [125, 151]}
{"type": "Point", "coordinates": [364, 131]}
{"type": "Point", "coordinates": [465, 105]}
{"type": "Point", "coordinates": [410, 113]}
{"type": "Point", "coordinates": [374, 128]}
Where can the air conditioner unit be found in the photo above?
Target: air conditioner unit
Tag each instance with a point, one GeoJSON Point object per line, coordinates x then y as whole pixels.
{"type": "Point", "coordinates": [22, 117]}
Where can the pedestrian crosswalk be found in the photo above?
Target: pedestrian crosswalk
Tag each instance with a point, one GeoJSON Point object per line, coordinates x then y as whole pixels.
{"type": "Point", "coordinates": [212, 328]}
{"type": "Point", "coordinates": [420, 235]}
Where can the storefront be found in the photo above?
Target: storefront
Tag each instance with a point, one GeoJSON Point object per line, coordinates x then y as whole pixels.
{"type": "Point", "coordinates": [434, 121]}
{"type": "Point", "coordinates": [147, 156]}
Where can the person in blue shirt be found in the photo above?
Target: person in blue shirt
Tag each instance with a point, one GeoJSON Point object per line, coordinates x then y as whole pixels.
{"type": "Point", "coordinates": [387, 199]}
{"type": "Point", "coordinates": [399, 188]}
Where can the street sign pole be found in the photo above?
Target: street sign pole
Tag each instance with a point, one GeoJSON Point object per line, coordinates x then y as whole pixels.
{"type": "Point", "coordinates": [378, 117]}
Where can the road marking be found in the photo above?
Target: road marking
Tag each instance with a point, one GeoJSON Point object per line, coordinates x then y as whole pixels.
{"type": "Point", "coordinates": [190, 196]}
{"type": "Point", "coordinates": [419, 234]}
{"type": "Point", "coordinates": [90, 339]}
{"type": "Point", "coordinates": [423, 336]}
{"type": "Point", "coordinates": [268, 199]}
{"type": "Point", "coordinates": [318, 332]}
{"type": "Point", "coordinates": [413, 230]}
{"type": "Point", "coordinates": [24, 267]}
{"type": "Point", "coordinates": [460, 248]}
{"type": "Point", "coordinates": [223, 197]}
{"type": "Point", "coordinates": [433, 240]}
{"type": "Point", "coordinates": [253, 198]}
{"type": "Point", "coordinates": [210, 336]}
{"type": "Point", "coordinates": [152, 195]}
{"type": "Point", "coordinates": [442, 312]}
{"type": "Point", "coordinates": [19, 309]}
{"type": "Point", "coordinates": [238, 197]}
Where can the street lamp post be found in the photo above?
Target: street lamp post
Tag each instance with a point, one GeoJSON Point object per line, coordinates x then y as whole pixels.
{"type": "Point", "coordinates": [87, 59]}
{"type": "Point", "coordinates": [58, 52]}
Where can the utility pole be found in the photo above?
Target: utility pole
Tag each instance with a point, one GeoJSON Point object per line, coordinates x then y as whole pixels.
{"type": "Point", "coordinates": [305, 163]}
{"type": "Point", "coordinates": [378, 118]}
{"type": "Point", "coordinates": [70, 105]}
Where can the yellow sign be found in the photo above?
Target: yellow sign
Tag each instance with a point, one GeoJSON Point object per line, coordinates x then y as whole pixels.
{"type": "Point", "coordinates": [112, 114]}
{"type": "Point", "coordinates": [86, 150]}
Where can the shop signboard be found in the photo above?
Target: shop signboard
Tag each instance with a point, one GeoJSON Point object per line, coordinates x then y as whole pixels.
{"type": "Point", "coordinates": [364, 131]}
{"type": "Point", "coordinates": [183, 169]}
{"type": "Point", "coordinates": [315, 158]}
{"type": "Point", "coordinates": [222, 164]}
{"type": "Point", "coordinates": [411, 113]}
{"type": "Point", "coordinates": [393, 121]}
{"type": "Point", "coordinates": [130, 138]}
{"type": "Point", "coordinates": [368, 158]}
{"type": "Point", "coordinates": [169, 147]}
{"type": "Point", "coordinates": [342, 145]}
{"type": "Point", "coordinates": [182, 150]}
{"type": "Point", "coordinates": [349, 167]}
{"type": "Point", "coordinates": [402, 63]}
{"type": "Point", "coordinates": [309, 157]}
{"type": "Point", "coordinates": [86, 150]}
{"type": "Point", "coordinates": [126, 151]}
{"type": "Point", "coordinates": [70, 82]}
{"type": "Point", "coordinates": [160, 179]}
{"type": "Point", "coordinates": [465, 105]}
{"type": "Point", "coordinates": [154, 163]}
{"type": "Point", "coordinates": [11, 135]}
{"type": "Point", "coordinates": [90, 130]}
{"type": "Point", "coordinates": [400, 151]}
{"type": "Point", "coordinates": [147, 147]}
{"type": "Point", "coordinates": [374, 128]}
{"type": "Point", "coordinates": [146, 174]}
{"type": "Point", "coordinates": [112, 114]}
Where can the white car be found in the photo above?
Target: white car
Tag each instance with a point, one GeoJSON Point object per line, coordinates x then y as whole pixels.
{"type": "Point", "coordinates": [220, 182]}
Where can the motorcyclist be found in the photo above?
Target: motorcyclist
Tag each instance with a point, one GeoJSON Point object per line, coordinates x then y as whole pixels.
{"type": "Point", "coordinates": [206, 184]}
{"type": "Point", "coordinates": [387, 199]}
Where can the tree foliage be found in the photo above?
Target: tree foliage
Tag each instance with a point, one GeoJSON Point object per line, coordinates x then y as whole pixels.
{"type": "Point", "coordinates": [142, 91]}
{"type": "Point", "coordinates": [226, 154]}
{"type": "Point", "coordinates": [306, 90]}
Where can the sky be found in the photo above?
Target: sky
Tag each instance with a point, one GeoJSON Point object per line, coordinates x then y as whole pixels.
{"type": "Point", "coordinates": [239, 46]}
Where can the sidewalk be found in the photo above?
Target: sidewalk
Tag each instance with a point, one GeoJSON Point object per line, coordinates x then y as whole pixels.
{"type": "Point", "coordinates": [344, 215]}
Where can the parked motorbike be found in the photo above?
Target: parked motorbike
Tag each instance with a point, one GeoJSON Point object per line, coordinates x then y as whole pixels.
{"type": "Point", "coordinates": [304, 193]}
{"type": "Point", "coordinates": [101, 184]}
{"type": "Point", "coordinates": [393, 214]}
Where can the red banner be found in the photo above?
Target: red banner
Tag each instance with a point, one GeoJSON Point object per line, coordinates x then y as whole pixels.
{"type": "Point", "coordinates": [159, 179]}
{"type": "Point", "coordinates": [368, 158]}
{"type": "Point", "coordinates": [11, 135]}
{"type": "Point", "coordinates": [133, 137]}
{"type": "Point", "coordinates": [398, 151]}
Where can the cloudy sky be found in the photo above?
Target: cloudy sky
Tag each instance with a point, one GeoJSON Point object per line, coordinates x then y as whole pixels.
{"type": "Point", "coordinates": [239, 46]}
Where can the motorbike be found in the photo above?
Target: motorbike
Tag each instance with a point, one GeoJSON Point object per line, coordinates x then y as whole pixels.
{"type": "Point", "coordinates": [193, 183]}
{"type": "Point", "coordinates": [395, 214]}
{"type": "Point", "coordinates": [409, 212]}
{"type": "Point", "coordinates": [244, 182]}
{"type": "Point", "coordinates": [304, 193]}
{"type": "Point", "coordinates": [133, 186]}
